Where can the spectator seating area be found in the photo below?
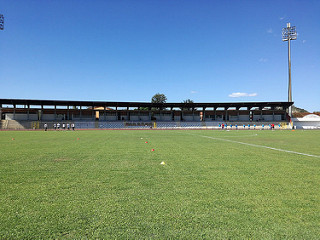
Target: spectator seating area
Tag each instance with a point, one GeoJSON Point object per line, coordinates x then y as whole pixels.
{"type": "Point", "coordinates": [19, 125]}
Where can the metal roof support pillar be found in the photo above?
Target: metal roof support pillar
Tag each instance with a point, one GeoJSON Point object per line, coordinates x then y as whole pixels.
{"type": "Point", "coordinates": [203, 113]}
{"type": "Point", "coordinates": [28, 112]}
{"type": "Point", "coordinates": [226, 113]}
{"type": "Point", "coordinates": [68, 113]}
{"type": "Point", "coordinates": [238, 113]}
{"type": "Point", "coordinates": [272, 113]}
{"type": "Point", "coordinates": [192, 114]}
{"type": "Point", "coordinates": [128, 114]}
{"type": "Point", "coordinates": [14, 112]}
{"type": "Point", "coordinates": [117, 114]}
{"type": "Point", "coordinates": [41, 112]}
{"type": "Point", "coordinates": [55, 112]}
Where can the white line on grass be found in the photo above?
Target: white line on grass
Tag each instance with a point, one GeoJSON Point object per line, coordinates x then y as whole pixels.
{"type": "Point", "coordinates": [237, 136]}
{"type": "Point", "coordinates": [259, 146]}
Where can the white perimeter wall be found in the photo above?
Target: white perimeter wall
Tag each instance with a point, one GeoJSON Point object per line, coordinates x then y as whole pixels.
{"type": "Point", "coordinates": [301, 123]}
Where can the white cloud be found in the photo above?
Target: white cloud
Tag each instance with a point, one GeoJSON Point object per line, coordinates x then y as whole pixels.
{"type": "Point", "coordinates": [304, 41]}
{"type": "Point", "coordinates": [193, 92]}
{"type": "Point", "coordinates": [239, 94]}
{"type": "Point", "coordinates": [282, 18]}
{"type": "Point", "coordinates": [270, 30]}
{"type": "Point", "coordinates": [263, 60]}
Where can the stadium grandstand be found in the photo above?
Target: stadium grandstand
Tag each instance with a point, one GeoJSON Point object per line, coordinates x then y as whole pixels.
{"type": "Point", "coordinates": [32, 114]}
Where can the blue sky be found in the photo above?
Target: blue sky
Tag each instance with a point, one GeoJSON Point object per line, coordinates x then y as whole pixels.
{"type": "Point", "coordinates": [128, 50]}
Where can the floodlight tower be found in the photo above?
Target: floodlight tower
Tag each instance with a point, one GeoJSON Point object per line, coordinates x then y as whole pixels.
{"type": "Point", "coordinates": [1, 22]}
{"type": "Point", "coordinates": [289, 33]}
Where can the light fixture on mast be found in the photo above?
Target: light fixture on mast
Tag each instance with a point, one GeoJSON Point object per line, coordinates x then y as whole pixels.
{"type": "Point", "coordinates": [1, 22]}
{"type": "Point", "coordinates": [289, 33]}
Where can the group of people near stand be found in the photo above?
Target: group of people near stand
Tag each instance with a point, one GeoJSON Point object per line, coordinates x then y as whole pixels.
{"type": "Point", "coordinates": [223, 126]}
{"type": "Point", "coordinates": [58, 126]}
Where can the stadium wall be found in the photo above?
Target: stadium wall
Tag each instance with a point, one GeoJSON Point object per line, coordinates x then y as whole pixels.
{"type": "Point", "coordinates": [310, 121]}
{"type": "Point", "coordinates": [20, 125]}
{"type": "Point", "coordinates": [171, 114]}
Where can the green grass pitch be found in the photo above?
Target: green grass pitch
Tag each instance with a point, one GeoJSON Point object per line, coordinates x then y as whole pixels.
{"type": "Point", "coordinates": [110, 185]}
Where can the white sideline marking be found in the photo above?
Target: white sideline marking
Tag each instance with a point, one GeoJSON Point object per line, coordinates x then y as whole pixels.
{"type": "Point", "coordinates": [260, 146]}
{"type": "Point", "coordinates": [252, 135]}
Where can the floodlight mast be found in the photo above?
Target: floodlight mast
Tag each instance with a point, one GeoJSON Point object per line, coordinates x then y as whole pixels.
{"type": "Point", "coordinates": [289, 33]}
{"type": "Point", "coordinates": [1, 22]}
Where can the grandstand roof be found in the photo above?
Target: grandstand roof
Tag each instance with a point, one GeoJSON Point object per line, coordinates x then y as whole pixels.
{"type": "Point", "coordinates": [142, 104]}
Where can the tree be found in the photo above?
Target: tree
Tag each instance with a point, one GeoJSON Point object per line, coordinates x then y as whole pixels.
{"type": "Point", "coordinates": [187, 102]}
{"type": "Point", "coordinates": [299, 110]}
{"type": "Point", "coordinates": [159, 98]}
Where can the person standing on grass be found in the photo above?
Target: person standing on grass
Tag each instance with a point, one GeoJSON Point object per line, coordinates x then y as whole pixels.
{"type": "Point", "coordinates": [58, 126]}
{"type": "Point", "coordinates": [45, 126]}
{"type": "Point", "coordinates": [72, 126]}
{"type": "Point", "coordinates": [68, 126]}
{"type": "Point", "coordinates": [55, 126]}
{"type": "Point", "coordinates": [64, 126]}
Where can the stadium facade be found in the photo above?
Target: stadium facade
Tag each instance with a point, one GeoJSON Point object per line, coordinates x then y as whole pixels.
{"type": "Point", "coordinates": [28, 113]}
